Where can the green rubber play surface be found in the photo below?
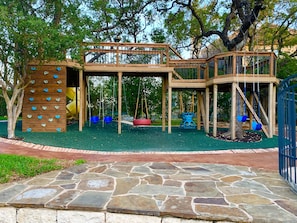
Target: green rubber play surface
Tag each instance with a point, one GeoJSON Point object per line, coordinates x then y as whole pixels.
{"type": "Point", "coordinates": [134, 139]}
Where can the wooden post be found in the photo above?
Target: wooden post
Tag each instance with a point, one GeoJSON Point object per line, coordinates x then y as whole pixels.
{"type": "Point", "coordinates": [206, 125]}
{"type": "Point", "coordinates": [233, 111]}
{"type": "Point", "coordinates": [81, 104]}
{"type": "Point", "coordinates": [270, 110]}
{"type": "Point", "coordinates": [169, 101]}
{"type": "Point", "coordinates": [234, 64]}
{"type": "Point", "coordinates": [202, 109]}
{"type": "Point", "coordinates": [120, 74]}
{"type": "Point", "coordinates": [198, 111]}
{"type": "Point", "coordinates": [215, 67]}
{"type": "Point", "coordinates": [85, 95]}
{"type": "Point", "coordinates": [215, 110]}
{"type": "Point", "coordinates": [274, 108]}
{"type": "Point", "coordinates": [164, 86]}
{"type": "Point", "coordinates": [272, 67]}
{"type": "Point", "coordinates": [250, 112]}
{"type": "Point", "coordinates": [181, 103]}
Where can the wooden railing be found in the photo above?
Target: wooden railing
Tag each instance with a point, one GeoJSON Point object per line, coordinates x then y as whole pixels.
{"type": "Point", "coordinates": [226, 64]}
{"type": "Point", "coordinates": [129, 54]}
{"type": "Point", "coordinates": [241, 64]}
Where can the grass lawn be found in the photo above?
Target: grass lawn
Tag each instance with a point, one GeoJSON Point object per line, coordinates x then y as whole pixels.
{"type": "Point", "coordinates": [14, 167]}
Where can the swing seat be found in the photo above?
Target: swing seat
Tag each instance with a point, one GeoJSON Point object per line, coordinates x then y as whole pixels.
{"type": "Point", "coordinates": [256, 126]}
{"type": "Point", "coordinates": [94, 119]}
{"type": "Point", "coordinates": [107, 119]}
{"type": "Point", "coordinates": [241, 118]}
{"type": "Point", "coordinates": [187, 122]}
{"type": "Point", "coordinates": [142, 121]}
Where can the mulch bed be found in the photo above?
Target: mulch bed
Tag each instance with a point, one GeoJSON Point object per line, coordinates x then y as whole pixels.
{"type": "Point", "coordinates": [248, 137]}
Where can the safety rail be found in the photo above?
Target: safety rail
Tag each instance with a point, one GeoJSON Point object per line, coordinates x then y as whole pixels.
{"type": "Point", "coordinates": [241, 64]}
{"type": "Point", "coordinates": [188, 69]}
{"type": "Point", "coordinates": [129, 54]}
{"type": "Point", "coordinates": [228, 64]}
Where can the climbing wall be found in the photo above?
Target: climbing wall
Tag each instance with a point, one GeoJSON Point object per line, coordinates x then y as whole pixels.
{"type": "Point", "coordinates": [44, 107]}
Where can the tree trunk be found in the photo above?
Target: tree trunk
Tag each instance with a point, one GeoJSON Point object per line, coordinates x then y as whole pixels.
{"type": "Point", "coordinates": [11, 124]}
{"type": "Point", "coordinates": [239, 132]}
{"type": "Point", "coordinates": [14, 108]}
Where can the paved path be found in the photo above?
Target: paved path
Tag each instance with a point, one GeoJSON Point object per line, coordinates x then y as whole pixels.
{"type": "Point", "coordinates": [229, 186]}
{"type": "Point", "coordinates": [209, 192]}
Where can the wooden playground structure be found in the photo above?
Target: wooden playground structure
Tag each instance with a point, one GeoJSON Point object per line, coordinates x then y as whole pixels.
{"type": "Point", "coordinates": [241, 73]}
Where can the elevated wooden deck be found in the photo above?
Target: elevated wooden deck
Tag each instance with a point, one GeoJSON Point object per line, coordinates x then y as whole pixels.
{"type": "Point", "coordinates": [160, 59]}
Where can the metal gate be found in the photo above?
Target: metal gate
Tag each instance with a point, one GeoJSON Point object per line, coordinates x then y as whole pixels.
{"type": "Point", "coordinates": [287, 99]}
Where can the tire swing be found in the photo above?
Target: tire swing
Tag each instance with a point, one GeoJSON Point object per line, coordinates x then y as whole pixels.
{"type": "Point", "coordinates": [256, 125]}
{"type": "Point", "coordinates": [144, 117]}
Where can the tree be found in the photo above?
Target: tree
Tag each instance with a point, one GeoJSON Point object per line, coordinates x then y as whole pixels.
{"type": "Point", "coordinates": [32, 31]}
{"type": "Point", "coordinates": [127, 19]}
{"type": "Point", "coordinates": [197, 20]}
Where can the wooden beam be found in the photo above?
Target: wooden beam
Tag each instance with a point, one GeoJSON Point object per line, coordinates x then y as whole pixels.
{"type": "Point", "coordinates": [206, 123]}
{"type": "Point", "coordinates": [169, 102]}
{"type": "Point", "coordinates": [256, 117]}
{"type": "Point", "coordinates": [215, 109]}
{"type": "Point", "coordinates": [233, 111]}
{"type": "Point", "coordinates": [198, 115]}
{"type": "Point", "coordinates": [177, 75]}
{"type": "Point", "coordinates": [120, 74]}
{"type": "Point", "coordinates": [270, 110]}
{"type": "Point", "coordinates": [164, 90]}
{"type": "Point", "coordinates": [202, 109]}
{"type": "Point", "coordinates": [261, 107]}
{"type": "Point", "coordinates": [274, 108]}
{"type": "Point", "coordinates": [81, 104]}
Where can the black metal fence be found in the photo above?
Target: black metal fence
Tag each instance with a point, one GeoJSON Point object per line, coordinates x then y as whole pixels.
{"type": "Point", "coordinates": [287, 98]}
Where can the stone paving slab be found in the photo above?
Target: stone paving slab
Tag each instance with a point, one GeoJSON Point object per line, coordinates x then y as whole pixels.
{"type": "Point", "coordinates": [194, 191]}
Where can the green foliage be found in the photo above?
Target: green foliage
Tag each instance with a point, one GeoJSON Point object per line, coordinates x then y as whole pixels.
{"type": "Point", "coordinates": [224, 106]}
{"type": "Point", "coordinates": [3, 111]}
{"type": "Point", "coordinates": [35, 30]}
{"type": "Point", "coordinates": [80, 161]}
{"type": "Point", "coordinates": [178, 25]}
{"type": "Point", "coordinates": [17, 167]}
{"type": "Point", "coordinates": [150, 88]}
{"type": "Point", "coordinates": [286, 66]}
{"type": "Point", "coordinates": [158, 35]}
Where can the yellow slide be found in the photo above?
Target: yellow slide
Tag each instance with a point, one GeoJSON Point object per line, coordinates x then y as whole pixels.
{"type": "Point", "coordinates": [72, 108]}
